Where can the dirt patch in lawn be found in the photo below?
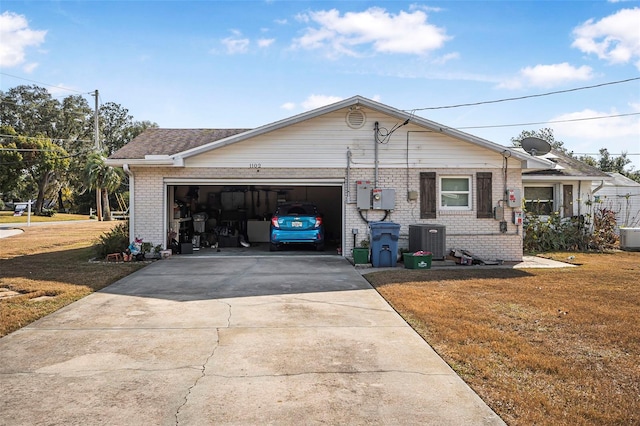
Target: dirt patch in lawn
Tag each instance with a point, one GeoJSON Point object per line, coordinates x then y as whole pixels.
{"type": "Point", "coordinates": [540, 346]}
{"type": "Point", "coordinates": [47, 267]}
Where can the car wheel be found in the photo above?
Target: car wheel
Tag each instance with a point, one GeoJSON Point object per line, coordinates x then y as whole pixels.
{"type": "Point", "coordinates": [273, 247]}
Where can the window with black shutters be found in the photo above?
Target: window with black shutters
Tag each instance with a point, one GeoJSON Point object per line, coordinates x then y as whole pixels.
{"type": "Point", "coordinates": [484, 187]}
{"type": "Point", "coordinates": [428, 195]}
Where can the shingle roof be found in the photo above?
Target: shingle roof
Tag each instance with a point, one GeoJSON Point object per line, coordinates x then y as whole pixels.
{"type": "Point", "coordinates": [568, 167]}
{"type": "Point", "coordinates": [170, 141]}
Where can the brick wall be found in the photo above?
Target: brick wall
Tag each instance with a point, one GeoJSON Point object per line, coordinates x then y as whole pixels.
{"type": "Point", "coordinates": [464, 231]}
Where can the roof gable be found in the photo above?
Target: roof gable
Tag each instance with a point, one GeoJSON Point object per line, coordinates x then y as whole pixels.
{"type": "Point", "coordinates": [176, 145]}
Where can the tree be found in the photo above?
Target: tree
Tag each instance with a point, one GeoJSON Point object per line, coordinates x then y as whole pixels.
{"type": "Point", "coordinates": [30, 110]}
{"type": "Point", "coordinates": [104, 179]}
{"type": "Point", "coordinates": [43, 162]}
{"type": "Point", "coordinates": [115, 124]}
{"type": "Point", "coordinates": [11, 164]}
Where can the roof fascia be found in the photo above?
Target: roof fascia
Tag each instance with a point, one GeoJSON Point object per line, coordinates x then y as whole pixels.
{"type": "Point", "coordinates": [150, 160]}
{"type": "Point", "coordinates": [559, 178]}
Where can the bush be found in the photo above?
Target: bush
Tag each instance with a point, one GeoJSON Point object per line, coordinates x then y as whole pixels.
{"type": "Point", "coordinates": [48, 212]}
{"type": "Point", "coordinates": [114, 241]}
{"type": "Point", "coordinates": [552, 233]}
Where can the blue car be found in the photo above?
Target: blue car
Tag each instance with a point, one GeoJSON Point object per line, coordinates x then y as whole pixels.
{"type": "Point", "coordinates": [296, 223]}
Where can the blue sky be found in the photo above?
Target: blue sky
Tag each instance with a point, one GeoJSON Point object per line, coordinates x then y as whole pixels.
{"type": "Point", "coordinates": [225, 64]}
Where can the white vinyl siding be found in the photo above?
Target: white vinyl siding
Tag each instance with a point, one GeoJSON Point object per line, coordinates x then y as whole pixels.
{"type": "Point", "coordinates": [324, 141]}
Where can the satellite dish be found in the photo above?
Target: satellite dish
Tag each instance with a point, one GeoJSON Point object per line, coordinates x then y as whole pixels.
{"type": "Point", "coordinates": [535, 146]}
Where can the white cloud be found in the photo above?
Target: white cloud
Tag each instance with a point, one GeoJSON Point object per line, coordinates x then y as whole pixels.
{"type": "Point", "coordinates": [547, 76]}
{"type": "Point", "coordinates": [614, 38]}
{"type": "Point", "coordinates": [446, 58]}
{"type": "Point", "coordinates": [16, 36]}
{"type": "Point", "coordinates": [236, 43]}
{"type": "Point", "coordinates": [317, 101]}
{"type": "Point", "coordinates": [265, 42]}
{"type": "Point", "coordinates": [384, 32]}
{"type": "Point", "coordinates": [288, 106]}
{"type": "Point", "coordinates": [599, 129]}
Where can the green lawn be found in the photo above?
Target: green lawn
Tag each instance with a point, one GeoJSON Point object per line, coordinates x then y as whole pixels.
{"type": "Point", "coordinates": [8, 217]}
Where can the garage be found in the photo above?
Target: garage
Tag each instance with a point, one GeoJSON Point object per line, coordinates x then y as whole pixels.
{"type": "Point", "coordinates": [206, 216]}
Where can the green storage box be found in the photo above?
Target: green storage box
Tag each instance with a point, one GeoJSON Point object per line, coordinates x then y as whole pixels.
{"type": "Point", "coordinates": [360, 255]}
{"type": "Point", "coordinates": [412, 261]}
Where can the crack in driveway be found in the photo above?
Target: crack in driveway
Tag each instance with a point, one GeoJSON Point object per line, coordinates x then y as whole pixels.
{"type": "Point", "coordinates": [204, 365]}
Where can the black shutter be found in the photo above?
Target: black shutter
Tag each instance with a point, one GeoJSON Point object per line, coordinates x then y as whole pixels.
{"type": "Point", "coordinates": [484, 189]}
{"type": "Point", "coordinates": [428, 195]}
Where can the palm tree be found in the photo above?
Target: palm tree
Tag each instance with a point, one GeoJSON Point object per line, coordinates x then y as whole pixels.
{"type": "Point", "coordinates": [104, 179]}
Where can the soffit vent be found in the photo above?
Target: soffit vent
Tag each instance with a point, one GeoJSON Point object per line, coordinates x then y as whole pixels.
{"type": "Point", "coordinates": [355, 118]}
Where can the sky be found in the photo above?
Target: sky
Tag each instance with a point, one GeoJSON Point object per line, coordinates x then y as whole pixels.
{"type": "Point", "coordinates": [244, 64]}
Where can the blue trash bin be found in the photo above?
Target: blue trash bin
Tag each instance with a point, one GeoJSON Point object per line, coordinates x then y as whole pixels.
{"type": "Point", "coordinates": [384, 243]}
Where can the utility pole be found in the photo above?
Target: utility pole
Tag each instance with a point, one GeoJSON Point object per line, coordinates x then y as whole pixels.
{"type": "Point", "coordinates": [95, 124]}
{"type": "Point", "coordinates": [96, 140]}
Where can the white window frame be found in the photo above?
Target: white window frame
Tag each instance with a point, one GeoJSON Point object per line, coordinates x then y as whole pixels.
{"type": "Point", "coordinates": [468, 192]}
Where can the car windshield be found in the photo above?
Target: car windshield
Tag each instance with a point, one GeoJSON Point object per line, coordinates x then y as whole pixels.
{"type": "Point", "coordinates": [296, 210]}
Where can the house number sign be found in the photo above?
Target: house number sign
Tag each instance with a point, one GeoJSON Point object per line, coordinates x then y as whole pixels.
{"type": "Point", "coordinates": [254, 165]}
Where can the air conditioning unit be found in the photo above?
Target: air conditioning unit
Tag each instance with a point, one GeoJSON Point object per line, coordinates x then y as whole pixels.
{"type": "Point", "coordinates": [428, 237]}
{"type": "Point", "coordinates": [630, 239]}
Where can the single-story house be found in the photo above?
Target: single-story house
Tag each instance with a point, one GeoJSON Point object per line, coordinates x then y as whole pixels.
{"type": "Point", "coordinates": [359, 160]}
{"type": "Point", "coordinates": [622, 195]}
{"type": "Point", "coordinates": [566, 188]}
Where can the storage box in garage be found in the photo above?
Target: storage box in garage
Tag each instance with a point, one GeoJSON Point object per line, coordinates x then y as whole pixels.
{"type": "Point", "coordinates": [228, 241]}
{"type": "Point", "coordinates": [186, 248]}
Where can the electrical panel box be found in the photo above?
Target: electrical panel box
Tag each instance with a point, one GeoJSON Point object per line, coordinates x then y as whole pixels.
{"type": "Point", "coordinates": [514, 199]}
{"type": "Point", "coordinates": [384, 199]}
{"type": "Point", "coordinates": [498, 213]}
{"type": "Point", "coordinates": [363, 194]}
{"type": "Point", "coordinates": [517, 218]}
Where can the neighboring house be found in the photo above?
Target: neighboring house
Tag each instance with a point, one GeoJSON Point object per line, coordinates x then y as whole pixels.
{"type": "Point", "coordinates": [333, 156]}
{"type": "Point", "coordinates": [622, 195]}
{"type": "Point", "coordinates": [566, 188]}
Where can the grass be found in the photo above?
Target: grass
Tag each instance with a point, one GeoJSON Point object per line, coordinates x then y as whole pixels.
{"type": "Point", "coordinates": [554, 346]}
{"type": "Point", "coordinates": [52, 261]}
{"type": "Point", "coordinates": [7, 217]}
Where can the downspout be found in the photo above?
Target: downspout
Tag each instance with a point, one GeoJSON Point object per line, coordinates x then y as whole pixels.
{"type": "Point", "coordinates": [348, 197]}
{"type": "Point", "coordinates": [132, 197]}
{"type": "Point", "coordinates": [599, 187]}
{"type": "Point", "coordinates": [580, 198]}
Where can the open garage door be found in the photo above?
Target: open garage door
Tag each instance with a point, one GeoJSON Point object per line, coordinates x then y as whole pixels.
{"type": "Point", "coordinates": [210, 216]}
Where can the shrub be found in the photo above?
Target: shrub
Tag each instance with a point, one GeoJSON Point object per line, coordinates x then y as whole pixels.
{"type": "Point", "coordinates": [553, 233]}
{"type": "Point", "coordinates": [48, 212]}
{"type": "Point", "coordinates": [114, 241]}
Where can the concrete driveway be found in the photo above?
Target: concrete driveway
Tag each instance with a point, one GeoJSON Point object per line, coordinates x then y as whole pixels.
{"type": "Point", "coordinates": [234, 340]}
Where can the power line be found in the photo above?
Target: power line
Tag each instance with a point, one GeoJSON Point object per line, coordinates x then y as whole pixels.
{"type": "Point", "coordinates": [45, 137]}
{"type": "Point", "coordinates": [525, 97]}
{"type": "Point", "coordinates": [548, 122]}
{"type": "Point", "coordinates": [46, 84]}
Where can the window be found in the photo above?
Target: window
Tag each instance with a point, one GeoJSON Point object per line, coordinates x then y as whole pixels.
{"type": "Point", "coordinates": [455, 193]}
{"type": "Point", "coordinates": [538, 199]}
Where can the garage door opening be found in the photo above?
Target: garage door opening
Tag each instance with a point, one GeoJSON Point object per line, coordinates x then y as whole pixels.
{"type": "Point", "coordinates": [207, 218]}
